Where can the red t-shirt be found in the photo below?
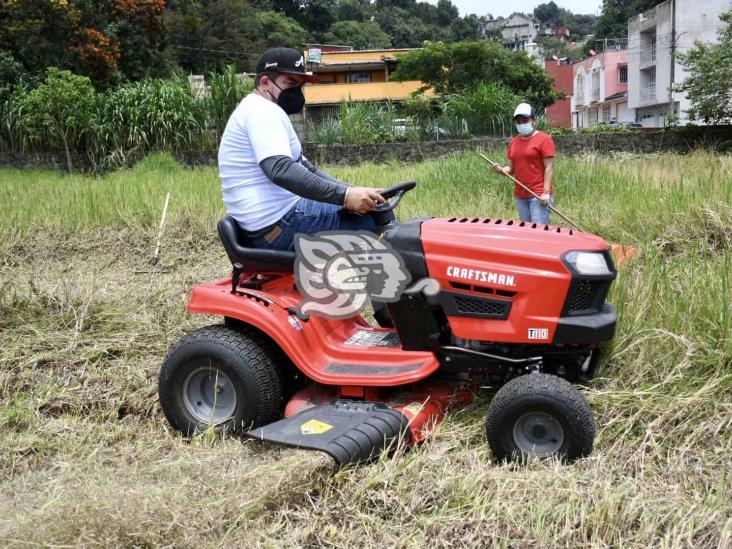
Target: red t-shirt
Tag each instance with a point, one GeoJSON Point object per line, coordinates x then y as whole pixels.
{"type": "Point", "coordinates": [527, 157]}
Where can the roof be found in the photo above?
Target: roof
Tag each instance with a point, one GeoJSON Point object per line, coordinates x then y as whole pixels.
{"type": "Point", "coordinates": [359, 56]}
{"type": "Point", "coordinates": [326, 94]}
{"type": "Point", "coordinates": [618, 95]}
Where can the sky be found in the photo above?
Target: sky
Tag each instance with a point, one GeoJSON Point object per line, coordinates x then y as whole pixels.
{"type": "Point", "coordinates": [481, 7]}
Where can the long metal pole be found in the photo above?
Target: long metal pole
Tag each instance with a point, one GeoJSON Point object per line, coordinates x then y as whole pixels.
{"type": "Point", "coordinates": [524, 187]}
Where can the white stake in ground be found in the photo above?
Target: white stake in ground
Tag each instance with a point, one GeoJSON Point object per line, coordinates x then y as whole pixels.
{"type": "Point", "coordinates": [156, 256]}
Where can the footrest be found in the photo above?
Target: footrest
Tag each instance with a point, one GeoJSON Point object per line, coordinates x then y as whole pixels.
{"type": "Point", "coordinates": [349, 431]}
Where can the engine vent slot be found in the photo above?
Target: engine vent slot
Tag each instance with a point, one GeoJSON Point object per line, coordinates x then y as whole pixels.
{"type": "Point", "coordinates": [456, 304]}
{"type": "Point", "coordinates": [510, 222]}
{"type": "Point", "coordinates": [460, 286]}
{"type": "Point", "coordinates": [479, 306]}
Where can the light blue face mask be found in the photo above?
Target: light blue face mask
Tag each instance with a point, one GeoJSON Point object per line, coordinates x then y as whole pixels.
{"type": "Point", "coordinates": [525, 129]}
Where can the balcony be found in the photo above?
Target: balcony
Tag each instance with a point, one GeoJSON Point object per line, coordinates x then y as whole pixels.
{"type": "Point", "coordinates": [648, 57]}
{"type": "Point", "coordinates": [648, 95]}
{"type": "Point", "coordinates": [648, 51]}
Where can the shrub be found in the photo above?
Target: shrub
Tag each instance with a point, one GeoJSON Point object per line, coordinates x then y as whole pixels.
{"type": "Point", "coordinates": [59, 112]}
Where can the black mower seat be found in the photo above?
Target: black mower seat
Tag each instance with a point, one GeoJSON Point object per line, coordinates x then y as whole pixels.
{"type": "Point", "coordinates": [252, 260]}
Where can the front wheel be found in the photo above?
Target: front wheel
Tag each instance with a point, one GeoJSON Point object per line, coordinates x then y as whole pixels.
{"type": "Point", "coordinates": [539, 415]}
{"type": "Point", "coordinates": [220, 377]}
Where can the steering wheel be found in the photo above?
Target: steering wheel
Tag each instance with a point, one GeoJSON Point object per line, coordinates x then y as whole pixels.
{"type": "Point", "coordinates": [396, 192]}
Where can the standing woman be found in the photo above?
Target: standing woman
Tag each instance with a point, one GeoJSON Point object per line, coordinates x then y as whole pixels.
{"type": "Point", "coordinates": [531, 160]}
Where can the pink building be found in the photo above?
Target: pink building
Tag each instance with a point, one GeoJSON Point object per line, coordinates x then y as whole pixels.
{"type": "Point", "coordinates": [601, 90]}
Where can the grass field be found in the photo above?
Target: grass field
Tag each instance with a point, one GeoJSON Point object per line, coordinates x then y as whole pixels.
{"type": "Point", "coordinates": [87, 459]}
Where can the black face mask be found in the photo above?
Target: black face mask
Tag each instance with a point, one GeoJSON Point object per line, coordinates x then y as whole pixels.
{"type": "Point", "coordinates": [291, 100]}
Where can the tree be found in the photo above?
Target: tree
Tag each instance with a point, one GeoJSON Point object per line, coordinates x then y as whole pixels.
{"type": "Point", "coordinates": [708, 85]}
{"type": "Point", "coordinates": [613, 21]}
{"type": "Point", "coordinates": [549, 14]}
{"type": "Point", "coordinates": [364, 35]}
{"type": "Point", "coordinates": [232, 34]}
{"type": "Point", "coordinates": [318, 15]}
{"type": "Point", "coordinates": [467, 28]}
{"type": "Point", "coordinates": [353, 10]}
{"type": "Point", "coordinates": [11, 74]}
{"type": "Point", "coordinates": [36, 33]}
{"type": "Point", "coordinates": [62, 107]}
{"type": "Point", "coordinates": [406, 30]}
{"type": "Point", "coordinates": [552, 45]}
{"type": "Point", "coordinates": [280, 30]}
{"type": "Point", "coordinates": [446, 13]}
{"type": "Point", "coordinates": [453, 68]}
{"type": "Point", "coordinates": [139, 27]}
{"type": "Point", "coordinates": [107, 41]}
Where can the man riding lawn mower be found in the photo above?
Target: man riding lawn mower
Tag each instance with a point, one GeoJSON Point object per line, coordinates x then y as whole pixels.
{"type": "Point", "coordinates": [515, 306]}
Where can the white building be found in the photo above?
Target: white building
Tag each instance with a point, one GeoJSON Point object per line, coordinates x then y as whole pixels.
{"type": "Point", "coordinates": [653, 38]}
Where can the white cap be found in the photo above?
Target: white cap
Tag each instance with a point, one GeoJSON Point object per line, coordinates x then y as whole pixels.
{"type": "Point", "coordinates": [524, 109]}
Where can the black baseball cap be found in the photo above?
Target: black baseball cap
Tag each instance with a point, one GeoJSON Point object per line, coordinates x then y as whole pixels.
{"type": "Point", "coordinates": [285, 60]}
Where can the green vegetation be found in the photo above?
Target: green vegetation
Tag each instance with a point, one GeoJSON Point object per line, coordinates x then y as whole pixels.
{"type": "Point", "coordinates": [86, 458]}
{"type": "Point", "coordinates": [458, 67]}
{"type": "Point", "coordinates": [710, 72]}
{"type": "Point", "coordinates": [109, 127]}
{"type": "Point", "coordinates": [613, 21]}
{"type": "Point", "coordinates": [483, 110]}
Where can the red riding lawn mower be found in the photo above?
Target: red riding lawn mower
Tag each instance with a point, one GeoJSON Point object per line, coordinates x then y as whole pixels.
{"type": "Point", "coordinates": [520, 308]}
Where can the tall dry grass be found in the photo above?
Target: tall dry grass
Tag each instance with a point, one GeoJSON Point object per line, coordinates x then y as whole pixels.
{"type": "Point", "coordinates": [86, 458]}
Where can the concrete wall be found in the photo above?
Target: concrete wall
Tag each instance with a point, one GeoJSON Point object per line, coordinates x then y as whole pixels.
{"type": "Point", "coordinates": [681, 140]}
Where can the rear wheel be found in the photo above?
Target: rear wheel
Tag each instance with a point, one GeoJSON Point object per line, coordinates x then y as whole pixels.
{"type": "Point", "coordinates": [221, 377]}
{"type": "Point", "coordinates": [539, 415]}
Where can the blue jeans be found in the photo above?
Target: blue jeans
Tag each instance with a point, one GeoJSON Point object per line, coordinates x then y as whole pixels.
{"type": "Point", "coordinates": [310, 217]}
{"type": "Point", "coordinates": [531, 210]}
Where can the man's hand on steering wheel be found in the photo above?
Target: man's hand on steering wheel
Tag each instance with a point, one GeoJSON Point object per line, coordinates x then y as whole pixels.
{"type": "Point", "coordinates": [362, 199]}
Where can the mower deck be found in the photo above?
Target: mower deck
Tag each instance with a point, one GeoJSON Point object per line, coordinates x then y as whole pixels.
{"type": "Point", "coordinates": [350, 432]}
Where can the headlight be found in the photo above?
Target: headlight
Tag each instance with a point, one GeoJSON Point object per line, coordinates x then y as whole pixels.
{"type": "Point", "coordinates": [588, 263]}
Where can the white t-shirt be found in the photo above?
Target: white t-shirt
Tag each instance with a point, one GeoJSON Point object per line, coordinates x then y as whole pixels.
{"type": "Point", "coordinates": [257, 129]}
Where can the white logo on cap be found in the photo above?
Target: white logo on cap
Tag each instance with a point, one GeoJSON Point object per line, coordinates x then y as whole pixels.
{"type": "Point", "coordinates": [270, 65]}
{"type": "Point", "coordinates": [299, 63]}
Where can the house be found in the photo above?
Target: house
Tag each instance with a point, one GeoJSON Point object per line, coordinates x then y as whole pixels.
{"type": "Point", "coordinates": [353, 76]}
{"type": "Point", "coordinates": [488, 25]}
{"type": "Point", "coordinates": [654, 37]}
{"type": "Point", "coordinates": [560, 113]}
{"type": "Point", "coordinates": [560, 32]}
{"type": "Point", "coordinates": [516, 31]}
{"type": "Point", "coordinates": [601, 90]}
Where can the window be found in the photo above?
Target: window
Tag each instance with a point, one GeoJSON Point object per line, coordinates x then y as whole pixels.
{"type": "Point", "coordinates": [653, 47]}
{"type": "Point", "coordinates": [358, 77]}
{"type": "Point", "coordinates": [596, 84]}
{"type": "Point", "coordinates": [623, 74]}
{"type": "Point", "coordinates": [606, 113]}
{"type": "Point", "coordinates": [580, 91]}
{"type": "Point", "coordinates": [592, 117]}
